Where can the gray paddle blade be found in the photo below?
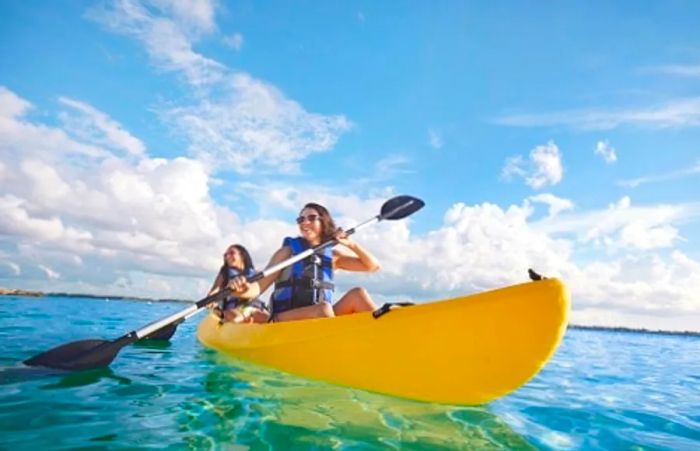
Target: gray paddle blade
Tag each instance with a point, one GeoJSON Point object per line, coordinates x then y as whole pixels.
{"type": "Point", "coordinates": [162, 334]}
{"type": "Point", "coordinates": [400, 206]}
{"type": "Point", "coordinates": [79, 355]}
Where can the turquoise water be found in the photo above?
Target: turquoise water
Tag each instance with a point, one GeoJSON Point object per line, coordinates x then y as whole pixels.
{"type": "Point", "coordinates": [602, 390]}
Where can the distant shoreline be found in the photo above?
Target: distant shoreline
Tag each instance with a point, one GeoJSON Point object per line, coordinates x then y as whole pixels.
{"type": "Point", "coordinates": [635, 330]}
{"type": "Point", "coordinates": [30, 293]}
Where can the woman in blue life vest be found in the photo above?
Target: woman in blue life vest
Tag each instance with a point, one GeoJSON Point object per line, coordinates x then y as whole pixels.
{"type": "Point", "coordinates": [237, 262]}
{"type": "Point", "coordinates": [305, 290]}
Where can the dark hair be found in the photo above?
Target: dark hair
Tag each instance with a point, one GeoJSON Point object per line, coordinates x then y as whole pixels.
{"type": "Point", "coordinates": [328, 227]}
{"type": "Point", "coordinates": [247, 264]}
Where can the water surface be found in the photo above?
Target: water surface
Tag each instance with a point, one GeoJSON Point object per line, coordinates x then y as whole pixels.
{"type": "Point", "coordinates": [602, 390]}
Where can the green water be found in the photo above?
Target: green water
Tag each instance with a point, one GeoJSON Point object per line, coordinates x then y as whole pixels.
{"type": "Point", "coordinates": [179, 395]}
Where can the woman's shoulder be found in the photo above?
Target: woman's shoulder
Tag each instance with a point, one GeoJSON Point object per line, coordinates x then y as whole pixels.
{"type": "Point", "coordinates": [282, 253]}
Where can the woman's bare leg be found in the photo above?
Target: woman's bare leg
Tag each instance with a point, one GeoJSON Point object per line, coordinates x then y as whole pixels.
{"type": "Point", "coordinates": [354, 301]}
{"type": "Point", "coordinates": [322, 310]}
{"type": "Point", "coordinates": [234, 315]}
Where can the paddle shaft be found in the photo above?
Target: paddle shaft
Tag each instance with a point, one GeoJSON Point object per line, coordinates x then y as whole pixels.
{"type": "Point", "coordinates": [193, 309]}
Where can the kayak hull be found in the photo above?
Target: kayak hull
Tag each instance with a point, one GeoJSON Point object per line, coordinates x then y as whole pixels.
{"type": "Point", "coordinates": [465, 351]}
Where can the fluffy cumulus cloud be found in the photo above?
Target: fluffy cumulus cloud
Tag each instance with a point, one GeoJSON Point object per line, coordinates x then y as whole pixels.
{"type": "Point", "coordinates": [487, 246]}
{"type": "Point", "coordinates": [543, 168]}
{"type": "Point", "coordinates": [234, 120]}
{"type": "Point", "coordinates": [61, 194]}
{"type": "Point", "coordinates": [624, 227]}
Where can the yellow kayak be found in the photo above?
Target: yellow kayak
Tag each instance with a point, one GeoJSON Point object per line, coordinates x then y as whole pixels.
{"type": "Point", "coordinates": [468, 350]}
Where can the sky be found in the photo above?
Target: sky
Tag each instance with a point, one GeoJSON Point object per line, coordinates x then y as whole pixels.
{"type": "Point", "coordinates": [139, 138]}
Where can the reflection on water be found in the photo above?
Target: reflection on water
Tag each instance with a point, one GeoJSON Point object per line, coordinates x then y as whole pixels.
{"type": "Point", "coordinates": [602, 391]}
{"type": "Point", "coordinates": [260, 407]}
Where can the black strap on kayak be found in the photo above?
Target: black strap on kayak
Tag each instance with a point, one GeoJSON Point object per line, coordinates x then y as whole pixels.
{"type": "Point", "coordinates": [389, 306]}
{"type": "Point", "coordinates": [534, 276]}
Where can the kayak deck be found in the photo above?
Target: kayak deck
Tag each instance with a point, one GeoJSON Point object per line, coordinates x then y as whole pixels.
{"type": "Point", "coordinates": [468, 350]}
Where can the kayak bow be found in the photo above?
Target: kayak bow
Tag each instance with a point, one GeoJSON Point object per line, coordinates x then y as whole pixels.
{"type": "Point", "coordinates": [468, 350]}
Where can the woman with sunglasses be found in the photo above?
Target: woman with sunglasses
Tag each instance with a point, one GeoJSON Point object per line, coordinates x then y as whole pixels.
{"type": "Point", "coordinates": [237, 262]}
{"type": "Point", "coordinates": [305, 290]}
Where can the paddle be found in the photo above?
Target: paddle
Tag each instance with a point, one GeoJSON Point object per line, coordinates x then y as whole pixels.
{"type": "Point", "coordinates": [96, 353]}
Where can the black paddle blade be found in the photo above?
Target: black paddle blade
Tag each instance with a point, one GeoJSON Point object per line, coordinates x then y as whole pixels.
{"type": "Point", "coordinates": [400, 206]}
{"type": "Point", "coordinates": [80, 355]}
{"type": "Point", "coordinates": [162, 334]}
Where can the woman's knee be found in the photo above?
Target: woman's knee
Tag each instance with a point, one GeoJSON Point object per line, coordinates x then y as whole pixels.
{"type": "Point", "coordinates": [325, 309]}
{"type": "Point", "coordinates": [359, 292]}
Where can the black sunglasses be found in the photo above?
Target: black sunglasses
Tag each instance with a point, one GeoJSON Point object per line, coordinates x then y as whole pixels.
{"type": "Point", "coordinates": [310, 218]}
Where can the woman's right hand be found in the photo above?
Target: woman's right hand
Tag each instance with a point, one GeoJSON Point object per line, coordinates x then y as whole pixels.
{"type": "Point", "coordinates": [239, 285]}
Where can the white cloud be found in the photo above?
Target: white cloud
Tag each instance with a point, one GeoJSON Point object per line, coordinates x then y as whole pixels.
{"type": "Point", "coordinates": [391, 166]}
{"type": "Point", "coordinates": [252, 125]}
{"type": "Point", "coordinates": [678, 70]}
{"type": "Point", "coordinates": [168, 32]}
{"type": "Point", "coordinates": [625, 227]}
{"type": "Point", "coordinates": [35, 140]}
{"type": "Point", "coordinates": [102, 206]}
{"type": "Point", "coordinates": [684, 112]}
{"type": "Point", "coordinates": [93, 126]}
{"type": "Point", "coordinates": [16, 220]}
{"type": "Point", "coordinates": [194, 15]}
{"type": "Point", "coordinates": [556, 204]}
{"type": "Point", "coordinates": [11, 105]}
{"type": "Point", "coordinates": [605, 150]}
{"type": "Point", "coordinates": [235, 41]}
{"type": "Point", "coordinates": [645, 236]}
{"type": "Point", "coordinates": [435, 139]}
{"type": "Point", "coordinates": [673, 175]}
{"type": "Point", "coordinates": [50, 273]}
{"type": "Point", "coordinates": [236, 122]}
{"type": "Point", "coordinates": [14, 267]}
{"type": "Point", "coordinates": [544, 166]}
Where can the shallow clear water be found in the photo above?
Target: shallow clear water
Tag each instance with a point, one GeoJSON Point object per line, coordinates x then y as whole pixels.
{"type": "Point", "coordinates": [602, 390]}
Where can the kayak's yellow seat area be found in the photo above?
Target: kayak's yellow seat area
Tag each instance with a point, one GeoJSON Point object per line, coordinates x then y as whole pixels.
{"type": "Point", "coordinates": [467, 350]}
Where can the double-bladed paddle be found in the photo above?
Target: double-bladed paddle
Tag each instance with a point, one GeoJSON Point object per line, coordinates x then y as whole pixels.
{"type": "Point", "coordinates": [97, 353]}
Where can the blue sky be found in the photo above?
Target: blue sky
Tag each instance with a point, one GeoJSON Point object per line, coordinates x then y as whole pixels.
{"type": "Point", "coordinates": [139, 138]}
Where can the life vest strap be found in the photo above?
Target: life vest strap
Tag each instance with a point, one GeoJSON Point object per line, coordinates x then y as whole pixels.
{"type": "Point", "coordinates": [307, 283]}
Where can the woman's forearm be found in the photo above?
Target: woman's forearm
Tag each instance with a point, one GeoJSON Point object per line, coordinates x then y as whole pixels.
{"type": "Point", "coordinates": [368, 260]}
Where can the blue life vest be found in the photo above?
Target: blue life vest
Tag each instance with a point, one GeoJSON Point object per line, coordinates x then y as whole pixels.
{"type": "Point", "coordinates": [307, 282]}
{"type": "Point", "coordinates": [233, 301]}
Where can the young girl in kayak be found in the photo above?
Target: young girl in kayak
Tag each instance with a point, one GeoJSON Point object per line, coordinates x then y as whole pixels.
{"type": "Point", "coordinates": [237, 262]}
{"type": "Point", "coordinates": [305, 290]}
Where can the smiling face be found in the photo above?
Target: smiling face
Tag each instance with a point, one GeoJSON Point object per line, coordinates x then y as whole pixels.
{"type": "Point", "coordinates": [233, 258]}
{"type": "Point", "coordinates": [310, 226]}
